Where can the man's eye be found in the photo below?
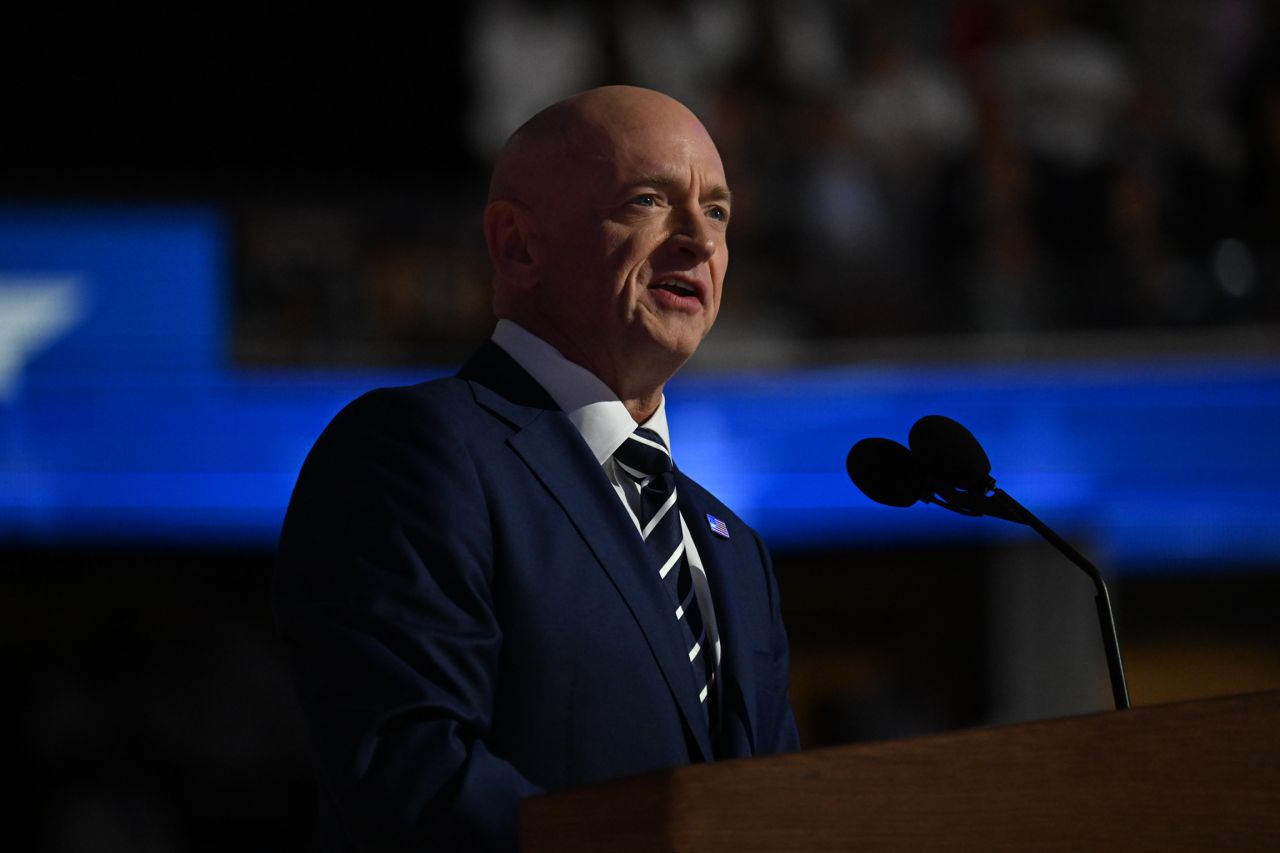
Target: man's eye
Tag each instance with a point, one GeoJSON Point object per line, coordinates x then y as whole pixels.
{"type": "Point", "coordinates": [719, 213]}
{"type": "Point", "coordinates": [646, 200]}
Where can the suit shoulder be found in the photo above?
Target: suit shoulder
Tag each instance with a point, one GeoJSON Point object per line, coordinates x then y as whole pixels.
{"type": "Point", "coordinates": [438, 407]}
{"type": "Point", "coordinates": [389, 444]}
{"type": "Point", "coordinates": [436, 397]}
{"type": "Point", "coordinates": [430, 419]}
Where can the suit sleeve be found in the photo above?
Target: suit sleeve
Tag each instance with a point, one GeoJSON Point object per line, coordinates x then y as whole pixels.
{"type": "Point", "coordinates": [383, 594]}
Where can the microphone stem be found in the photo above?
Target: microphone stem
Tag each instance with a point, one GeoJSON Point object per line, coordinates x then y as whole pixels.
{"type": "Point", "coordinates": [1107, 621]}
{"type": "Point", "coordinates": [1007, 508]}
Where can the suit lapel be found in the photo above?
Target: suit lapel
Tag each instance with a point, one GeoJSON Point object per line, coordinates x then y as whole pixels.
{"type": "Point", "coordinates": [549, 444]}
{"type": "Point", "coordinates": [724, 575]}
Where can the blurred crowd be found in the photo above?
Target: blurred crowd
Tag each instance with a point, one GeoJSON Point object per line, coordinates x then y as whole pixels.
{"type": "Point", "coordinates": [927, 167]}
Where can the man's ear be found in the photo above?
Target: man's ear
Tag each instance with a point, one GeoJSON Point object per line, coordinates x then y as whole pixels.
{"type": "Point", "coordinates": [509, 227]}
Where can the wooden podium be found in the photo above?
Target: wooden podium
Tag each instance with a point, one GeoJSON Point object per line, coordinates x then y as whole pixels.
{"type": "Point", "coordinates": [1194, 776]}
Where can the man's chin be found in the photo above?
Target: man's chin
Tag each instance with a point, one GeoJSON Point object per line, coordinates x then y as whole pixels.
{"type": "Point", "coordinates": [672, 349]}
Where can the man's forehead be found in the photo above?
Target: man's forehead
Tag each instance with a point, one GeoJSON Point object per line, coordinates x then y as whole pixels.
{"type": "Point", "coordinates": [610, 135]}
{"type": "Point", "coordinates": [664, 154]}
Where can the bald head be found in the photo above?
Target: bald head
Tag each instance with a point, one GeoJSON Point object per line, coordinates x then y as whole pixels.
{"type": "Point", "coordinates": [606, 225]}
{"type": "Point", "coordinates": [580, 128]}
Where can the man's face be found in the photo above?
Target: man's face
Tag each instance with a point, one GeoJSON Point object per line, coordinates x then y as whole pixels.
{"type": "Point", "coordinates": [632, 252]}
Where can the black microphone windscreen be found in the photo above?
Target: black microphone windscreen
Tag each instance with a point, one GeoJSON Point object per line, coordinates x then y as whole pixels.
{"type": "Point", "coordinates": [885, 471]}
{"type": "Point", "coordinates": [949, 454]}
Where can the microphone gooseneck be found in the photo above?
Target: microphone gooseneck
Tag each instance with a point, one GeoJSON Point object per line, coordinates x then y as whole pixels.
{"type": "Point", "coordinates": [947, 466]}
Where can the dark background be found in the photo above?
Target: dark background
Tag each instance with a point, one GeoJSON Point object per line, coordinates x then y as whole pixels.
{"type": "Point", "coordinates": [149, 697]}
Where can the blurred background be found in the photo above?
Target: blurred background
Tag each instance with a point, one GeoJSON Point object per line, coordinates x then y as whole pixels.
{"type": "Point", "coordinates": [1057, 222]}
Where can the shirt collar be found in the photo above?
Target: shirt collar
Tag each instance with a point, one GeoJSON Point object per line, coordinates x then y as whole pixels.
{"type": "Point", "coordinates": [592, 407]}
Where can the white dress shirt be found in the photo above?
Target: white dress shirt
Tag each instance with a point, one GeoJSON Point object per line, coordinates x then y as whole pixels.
{"type": "Point", "coordinates": [604, 423]}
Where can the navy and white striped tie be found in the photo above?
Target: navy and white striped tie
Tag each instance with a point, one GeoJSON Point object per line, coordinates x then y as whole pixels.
{"type": "Point", "coordinates": [645, 459]}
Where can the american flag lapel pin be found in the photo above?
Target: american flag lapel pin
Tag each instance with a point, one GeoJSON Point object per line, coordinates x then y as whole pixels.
{"type": "Point", "coordinates": [718, 527]}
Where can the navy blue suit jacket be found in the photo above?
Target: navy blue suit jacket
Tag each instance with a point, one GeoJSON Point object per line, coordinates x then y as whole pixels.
{"type": "Point", "coordinates": [473, 617]}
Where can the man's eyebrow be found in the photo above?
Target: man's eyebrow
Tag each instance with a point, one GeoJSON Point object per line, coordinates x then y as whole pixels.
{"type": "Point", "coordinates": [718, 192]}
{"type": "Point", "coordinates": [715, 192]}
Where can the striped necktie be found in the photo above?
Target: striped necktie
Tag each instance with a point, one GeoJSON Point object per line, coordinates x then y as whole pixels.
{"type": "Point", "coordinates": [645, 459]}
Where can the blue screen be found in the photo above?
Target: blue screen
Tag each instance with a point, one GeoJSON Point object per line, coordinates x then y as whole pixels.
{"type": "Point", "coordinates": [122, 419]}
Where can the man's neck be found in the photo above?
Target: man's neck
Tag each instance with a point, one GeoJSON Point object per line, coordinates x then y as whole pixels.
{"type": "Point", "coordinates": [639, 390]}
{"type": "Point", "coordinates": [642, 408]}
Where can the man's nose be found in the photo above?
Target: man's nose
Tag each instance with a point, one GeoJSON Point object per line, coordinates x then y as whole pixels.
{"type": "Point", "coordinates": [693, 237]}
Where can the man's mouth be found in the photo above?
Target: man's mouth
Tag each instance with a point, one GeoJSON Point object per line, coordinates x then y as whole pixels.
{"type": "Point", "coordinates": [679, 288]}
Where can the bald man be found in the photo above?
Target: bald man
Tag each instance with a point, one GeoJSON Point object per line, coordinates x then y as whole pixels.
{"type": "Point", "coordinates": [470, 575]}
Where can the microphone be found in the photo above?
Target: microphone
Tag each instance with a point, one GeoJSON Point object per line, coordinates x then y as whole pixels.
{"type": "Point", "coordinates": [886, 472]}
{"type": "Point", "coordinates": [951, 454]}
{"type": "Point", "coordinates": [944, 465]}
{"type": "Point", "coordinates": [947, 466]}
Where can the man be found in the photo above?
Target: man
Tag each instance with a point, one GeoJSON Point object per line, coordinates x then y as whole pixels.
{"type": "Point", "coordinates": [491, 584]}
